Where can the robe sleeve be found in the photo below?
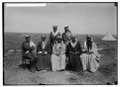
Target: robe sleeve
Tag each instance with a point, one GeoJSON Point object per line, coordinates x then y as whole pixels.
{"type": "Point", "coordinates": [67, 50]}
{"type": "Point", "coordinates": [63, 36]}
{"type": "Point", "coordinates": [94, 50]}
{"type": "Point", "coordinates": [84, 49]}
{"type": "Point", "coordinates": [80, 48]}
{"type": "Point", "coordinates": [49, 50]}
{"type": "Point", "coordinates": [51, 37]}
{"type": "Point", "coordinates": [63, 49]}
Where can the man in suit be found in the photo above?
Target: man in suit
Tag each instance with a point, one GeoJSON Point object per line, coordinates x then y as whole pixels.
{"type": "Point", "coordinates": [28, 52]}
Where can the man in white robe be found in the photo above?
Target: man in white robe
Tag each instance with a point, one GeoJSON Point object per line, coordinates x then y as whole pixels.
{"type": "Point", "coordinates": [58, 58]}
{"type": "Point", "coordinates": [90, 56]}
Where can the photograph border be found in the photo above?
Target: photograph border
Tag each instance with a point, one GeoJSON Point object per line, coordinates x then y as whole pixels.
{"type": "Point", "coordinates": [3, 31]}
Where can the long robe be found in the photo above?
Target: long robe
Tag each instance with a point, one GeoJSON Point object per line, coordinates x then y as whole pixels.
{"type": "Point", "coordinates": [90, 61]}
{"type": "Point", "coordinates": [73, 54]}
{"type": "Point", "coordinates": [58, 58]}
{"type": "Point", "coordinates": [44, 58]}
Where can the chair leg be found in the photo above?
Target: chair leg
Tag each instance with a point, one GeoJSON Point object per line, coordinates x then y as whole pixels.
{"type": "Point", "coordinates": [25, 65]}
{"type": "Point", "coordinates": [22, 63]}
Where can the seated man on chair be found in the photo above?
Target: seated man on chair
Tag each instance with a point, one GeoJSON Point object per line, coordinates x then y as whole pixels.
{"type": "Point", "coordinates": [28, 52]}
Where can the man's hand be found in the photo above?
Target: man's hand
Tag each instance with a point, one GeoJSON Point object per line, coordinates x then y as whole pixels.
{"type": "Point", "coordinates": [45, 52]}
{"type": "Point", "coordinates": [39, 52]}
{"type": "Point", "coordinates": [76, 52]}
{"type": "Point", "coordinates": [71, 52]}
{"type": "Point", "coordinates": [27, 52]}
{"type": "Point", "coordinates": [97, 59]}
{"type": "Point", "coordinates": [90, 52]}
{"type": "Point", "coordinates": [57, 53]}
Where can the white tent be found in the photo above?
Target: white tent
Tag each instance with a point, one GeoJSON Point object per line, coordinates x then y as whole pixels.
{"type": "Point", "coordinates": [108, 37]}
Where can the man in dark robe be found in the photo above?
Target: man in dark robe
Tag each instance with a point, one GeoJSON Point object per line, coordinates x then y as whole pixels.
{"type": "Point", "coordinates": [28, 52]}
{"type": "Point", "coordinates": [73, 52]}
{"type": "Point", "coordinates": [53, 35]}
{"type": "Point", "coordinates": [44, 53]}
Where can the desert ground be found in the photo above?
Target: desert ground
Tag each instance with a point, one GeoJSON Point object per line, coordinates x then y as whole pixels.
{"type": "Point", "coordinates": [14, 74]}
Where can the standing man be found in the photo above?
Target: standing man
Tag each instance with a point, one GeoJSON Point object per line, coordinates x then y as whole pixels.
{"type": "Point", "coordinates": [66, 35]}
{"type": "Point", "coordinates": [58, 58]}
{"type": "Point", "coordinates": [28, 52]}
{"type": "Point", "coordinates": [54, 34]}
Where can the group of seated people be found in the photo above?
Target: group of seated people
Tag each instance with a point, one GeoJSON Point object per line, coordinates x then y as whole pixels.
{"type": "Point", "coordinates": [61, 52]}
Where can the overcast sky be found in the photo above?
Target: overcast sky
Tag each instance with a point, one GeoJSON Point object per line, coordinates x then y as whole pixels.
{"type": "Point", "coordinates": [82, 18]}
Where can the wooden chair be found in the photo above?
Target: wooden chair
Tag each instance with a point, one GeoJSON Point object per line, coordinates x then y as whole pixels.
{"type": "Point", "coordinates": [25, 62]}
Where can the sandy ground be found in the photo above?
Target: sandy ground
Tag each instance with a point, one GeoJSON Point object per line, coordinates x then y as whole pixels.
{"type": "Point", "coordinates": [14, 74]}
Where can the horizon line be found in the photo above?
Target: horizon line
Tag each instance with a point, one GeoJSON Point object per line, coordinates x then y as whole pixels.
{"type": "Point", "coordinates": [63, 32]}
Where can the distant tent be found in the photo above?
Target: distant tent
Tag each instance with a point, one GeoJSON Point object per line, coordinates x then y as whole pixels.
{"type": "Point", "coordinates": [108, 37]}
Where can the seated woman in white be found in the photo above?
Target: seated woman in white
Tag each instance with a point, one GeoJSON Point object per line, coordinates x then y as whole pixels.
{"type": "Point", "coordinates": [90, 56]}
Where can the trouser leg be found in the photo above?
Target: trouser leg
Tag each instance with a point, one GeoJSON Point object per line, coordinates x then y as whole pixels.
{"type": "Point", "coordinates": [33, 60]}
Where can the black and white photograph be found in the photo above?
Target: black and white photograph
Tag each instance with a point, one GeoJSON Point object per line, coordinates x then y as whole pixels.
{"type": "Point", "coordinates": [60, 43]}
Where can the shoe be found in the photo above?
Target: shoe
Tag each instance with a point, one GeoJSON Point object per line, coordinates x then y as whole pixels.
{"type": "Point", "coordinates": [108, 83]}
{"type": "Point", "coordinates": [43, 71]}
{"type": "Point", "coordinates": [62, 70]}
{"type": "Point", "coordinates": [32, 70]}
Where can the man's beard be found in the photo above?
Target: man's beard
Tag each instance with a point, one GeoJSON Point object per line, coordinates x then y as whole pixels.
{"type": "Point", "coordinates": [89, 45]}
